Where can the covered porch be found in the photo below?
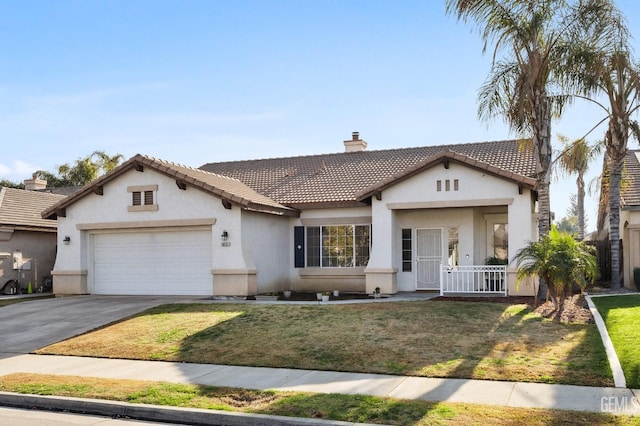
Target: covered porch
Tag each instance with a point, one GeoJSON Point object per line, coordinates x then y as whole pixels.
{"type": "Point", "coordinates": [452, 230]}
{"type": "Point", "coordinates": [458, 250]}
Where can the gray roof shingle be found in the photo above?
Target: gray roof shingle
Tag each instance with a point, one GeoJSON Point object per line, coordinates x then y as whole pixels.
{"type": "Point", "coordinates": [20, 208]}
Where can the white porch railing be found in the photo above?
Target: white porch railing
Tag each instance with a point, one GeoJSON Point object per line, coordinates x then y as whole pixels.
{"type": "Point", "coordinates": [473, 279]}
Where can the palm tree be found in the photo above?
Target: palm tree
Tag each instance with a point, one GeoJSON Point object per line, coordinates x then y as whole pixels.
{"type": "Point", "coordinates": [607, 68]}
{"type": "Point", "coordinates": [105, 162]}
{"type": "Point", "coordinates": [575, 159]}
{"type": "Point", "coordinates": [535, 36]}
{"type": "Point", "coordinates": [623, 90]}
{"type": "Point", "coordinates": [560, 261]}
{"type": "Point", "coordinates": [538, 37]}
{"type": "Point", "coordinates": [82, 171]}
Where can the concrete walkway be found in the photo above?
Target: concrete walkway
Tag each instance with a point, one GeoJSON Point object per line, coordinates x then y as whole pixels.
{"type": "Point", "coordinates": [509, 394]}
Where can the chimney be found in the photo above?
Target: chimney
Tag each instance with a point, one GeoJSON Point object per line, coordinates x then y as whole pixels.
{"type": "Point", "coordinates": [355, 144]}
{"type": "Point", "coordinates": [34, 184]}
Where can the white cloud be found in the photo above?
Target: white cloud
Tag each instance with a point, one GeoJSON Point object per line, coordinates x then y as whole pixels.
{"type": "Point", "coordinates": [18, 171]}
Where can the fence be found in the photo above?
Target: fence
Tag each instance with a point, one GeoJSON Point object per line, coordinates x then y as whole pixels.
{"type": "Point", "coordinates": [603, 254]}
{"type": "Point", "coordinates": [473, 279]}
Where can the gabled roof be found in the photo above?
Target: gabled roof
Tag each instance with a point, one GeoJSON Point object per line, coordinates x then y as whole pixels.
{"type": "Point", "coordinates": [444, 157]}
{"type": "Point", "coordinates": [20, 209]}
{"type": "Point", "coordinates": [345, 179]}
{"type": "Point", "coordinates": [228, 189]}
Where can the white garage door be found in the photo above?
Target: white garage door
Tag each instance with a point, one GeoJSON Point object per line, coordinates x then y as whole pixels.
{"type": "Point", "coordinates": [153, 263]}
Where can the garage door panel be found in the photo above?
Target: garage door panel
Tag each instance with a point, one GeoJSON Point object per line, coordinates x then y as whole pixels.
{"type": "Point", "coordinates": [163, 263]}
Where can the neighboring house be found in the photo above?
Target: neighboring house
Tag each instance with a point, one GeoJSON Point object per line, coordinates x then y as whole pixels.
{"type": "Point", "coordinates": [629, 218]}
{"type": "Point", "coordinates": [27, 241]}
{"type": "Point", "coordinates": [350, 221]}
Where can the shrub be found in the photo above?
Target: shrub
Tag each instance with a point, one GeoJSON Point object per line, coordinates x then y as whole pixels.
{"type": "Point", "coordinates": [560, 261]}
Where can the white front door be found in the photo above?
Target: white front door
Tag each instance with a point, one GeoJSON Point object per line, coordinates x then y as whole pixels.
{"type": "Point", "coordinates": [428, 258]}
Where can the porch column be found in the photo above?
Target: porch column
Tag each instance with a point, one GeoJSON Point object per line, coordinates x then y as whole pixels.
{"type": "Point", "coordinates": [380, 272]}
{"type": "Point", "coordinates": [522, 229]}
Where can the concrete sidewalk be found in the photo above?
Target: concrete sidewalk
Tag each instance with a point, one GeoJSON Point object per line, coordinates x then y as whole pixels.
{"type": "Point", "coordinates": [509, 394]}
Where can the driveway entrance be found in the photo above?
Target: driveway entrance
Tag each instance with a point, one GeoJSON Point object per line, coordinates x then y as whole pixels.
{"type": "Point", "coordinates": [31, 325]}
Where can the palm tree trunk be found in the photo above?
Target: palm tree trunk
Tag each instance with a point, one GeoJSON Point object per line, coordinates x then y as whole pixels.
{"type": "Point", "coordinates": [580, 207]}
{"type": "Point", "coordinates": [616, 139]}
{"type": "Point", "coordinates": [614, 221]}
{"type": "Point", "coordinates": [542, 145]}
{"type": "Point", "coordinates": [542, 141]}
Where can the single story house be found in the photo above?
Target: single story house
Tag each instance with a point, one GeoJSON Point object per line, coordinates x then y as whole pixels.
{"type": "Point", "coordinates": [397, 220]}
{"type": "Point", "coordinates": [27, 241]}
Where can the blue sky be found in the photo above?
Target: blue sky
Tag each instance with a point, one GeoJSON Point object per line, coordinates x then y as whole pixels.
{"type": "Point", "coordinates": [202, 81]}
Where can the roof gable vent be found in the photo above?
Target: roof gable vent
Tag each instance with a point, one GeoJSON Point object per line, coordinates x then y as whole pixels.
{"type": "Point", "coordinates": [355, 144]}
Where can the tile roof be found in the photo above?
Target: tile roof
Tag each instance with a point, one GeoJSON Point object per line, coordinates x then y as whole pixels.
{"type": "Point", "coordinates": [228, 189]}
{"type": "Point", "coordinates": [341, 178]}
{"type": "Point", "coordinates": [630, 191]}
{"type": "Point", "coordinates": [21, 209]}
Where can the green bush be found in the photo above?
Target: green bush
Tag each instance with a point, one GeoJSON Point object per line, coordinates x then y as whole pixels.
{"type": "Point", "coordinates": [560, 261]}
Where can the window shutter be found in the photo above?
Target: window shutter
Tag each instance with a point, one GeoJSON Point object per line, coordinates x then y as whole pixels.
{"type": "Point", "coordinates": [298, 246]}
{"type": "Point", "coordinates": [148, 198]}
{"type": "Point", "coordinates": [137, 198]}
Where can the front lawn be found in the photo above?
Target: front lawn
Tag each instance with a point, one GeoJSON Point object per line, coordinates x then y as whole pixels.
{"type": "Point", "coordinates": [621, 315]}
{"type": "Point", "coordinates": [348, 408]}
{"type": "Point", "coordinates": [431, 338]}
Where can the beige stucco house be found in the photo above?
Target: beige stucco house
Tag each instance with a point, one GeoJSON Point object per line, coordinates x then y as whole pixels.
{"type": "Point", "coordinates": [410, 219]}
{"type": "Point", "coordinates": [27, 241]}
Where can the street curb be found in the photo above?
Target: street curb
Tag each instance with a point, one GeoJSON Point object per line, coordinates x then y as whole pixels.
{"type": "Point", "coordinates": [157, 413]}
{"type": "Point", "coordinates": [616, 368]}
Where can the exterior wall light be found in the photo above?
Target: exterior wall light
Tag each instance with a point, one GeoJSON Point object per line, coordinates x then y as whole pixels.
{"type": "Point", "coordinates": [66, 239]}
{"type": "Point", "coordinates": [224, 236]}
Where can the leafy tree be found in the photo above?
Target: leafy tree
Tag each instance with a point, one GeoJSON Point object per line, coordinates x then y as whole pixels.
{"type": "Point", "coordinates": [569, 223]}
{"type": "Point", "coordinates": [575, 159]}
{"type": "Point", "coordinates": [9, 184]}
{"type": "Point", "coordinates": [560, 261]}
{"type": "Point", "coordinates": [535, 37]}
{"type": "Point", "coordinates": [82, 171]}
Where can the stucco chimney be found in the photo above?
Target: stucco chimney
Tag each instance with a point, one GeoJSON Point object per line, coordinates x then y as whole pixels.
{"type": "Point", "coordinates": [355, 143]}
{"type": "Point", "coordinates": [34, 184]}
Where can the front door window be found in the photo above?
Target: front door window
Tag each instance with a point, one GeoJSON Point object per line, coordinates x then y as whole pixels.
{"type": "Point", "coordinates": [501, 241]}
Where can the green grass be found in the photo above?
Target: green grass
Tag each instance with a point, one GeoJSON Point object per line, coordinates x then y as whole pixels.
{"type": "Point", "coordinates": [621, 315]}
{"type": "Point", "coordinates": [348, 408]}
{"type": "Point", "coordinates": [479, 340]}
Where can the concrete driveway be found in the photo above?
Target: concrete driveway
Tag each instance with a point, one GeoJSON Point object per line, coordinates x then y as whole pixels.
{"type": "Point", "coordinates": [30, 325]}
